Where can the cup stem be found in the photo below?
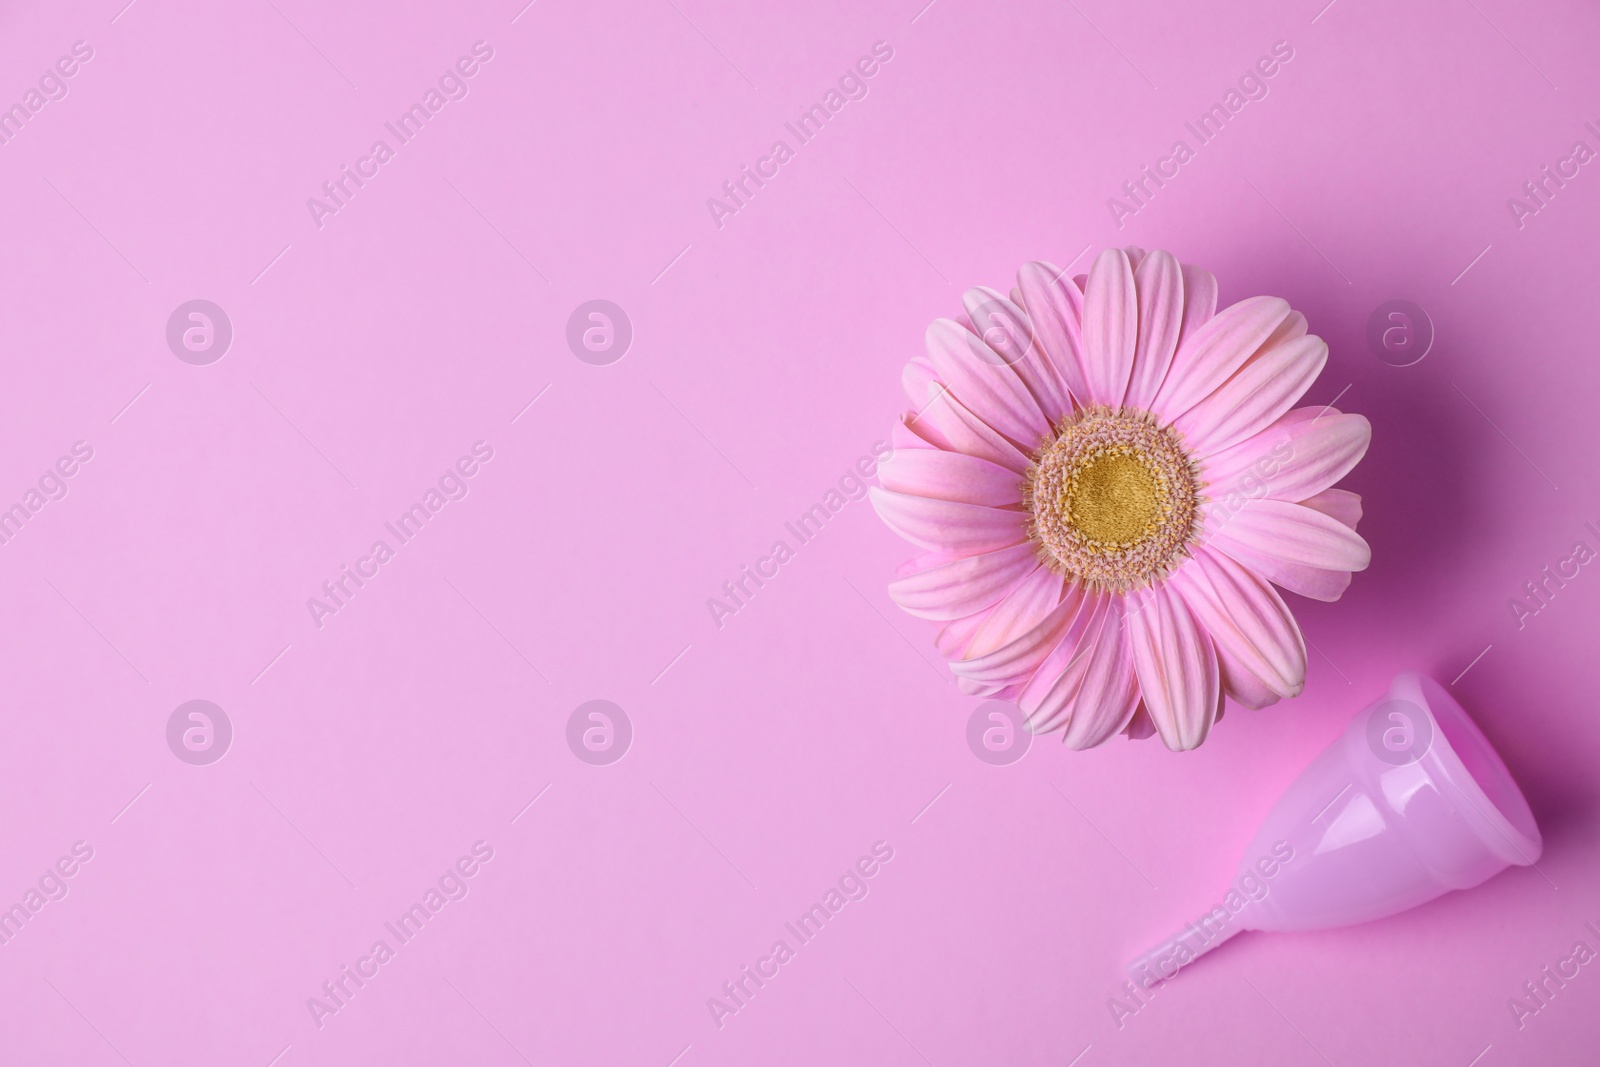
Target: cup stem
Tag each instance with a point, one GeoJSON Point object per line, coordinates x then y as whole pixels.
{"type": "Point", "coordinates": [1161, 963]}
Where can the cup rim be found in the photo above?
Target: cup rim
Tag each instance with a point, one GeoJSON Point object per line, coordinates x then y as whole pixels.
{"type": "Point", "coordinates": [1506, 827]}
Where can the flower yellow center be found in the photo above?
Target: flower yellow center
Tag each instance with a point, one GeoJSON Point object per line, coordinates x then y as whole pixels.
{"type": "Point", "coordinates": [1112, 498]}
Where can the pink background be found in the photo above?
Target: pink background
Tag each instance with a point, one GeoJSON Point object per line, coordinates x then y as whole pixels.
{"type": "Point", "coordinates": [771, 753]}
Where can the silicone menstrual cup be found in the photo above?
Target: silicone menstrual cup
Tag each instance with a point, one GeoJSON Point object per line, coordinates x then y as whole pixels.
{"type": "Point", "coordinates": [1410, 803]}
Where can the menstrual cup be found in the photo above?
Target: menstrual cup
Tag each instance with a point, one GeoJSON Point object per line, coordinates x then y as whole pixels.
{"type": "Point", "coordinates": [1410, 803]}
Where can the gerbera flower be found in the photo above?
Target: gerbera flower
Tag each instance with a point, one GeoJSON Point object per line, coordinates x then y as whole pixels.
{"type": "Point", "coordinates": [1106, 479]}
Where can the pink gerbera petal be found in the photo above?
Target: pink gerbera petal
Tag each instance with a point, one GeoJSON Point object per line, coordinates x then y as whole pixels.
{"type": "Point", "coordinates": [1217, 349]}
{"type": "Point", "coordinates": [1314, 582]}
{"type": "Point", "coordinates": [1339, 504]}
{"type": "Point", "coordinates": [1008, 332]}
{"type": "Point", "coordinates": [1030, 602]}
{"type": "Point", "coordinates": [1046, 696]}
{"type": "Point", "coordinates": [1251, 400]}
{"type": "Point", "coordinates": [950, 419]}
{"type": "Point", "coordinates": [1280, 530]}
{"type": "Point", "coordinates": [1293, 326]}
{"type": "Point", "coordinates": [1246, 619]}
{"type": "Point", "coordinates": [1299, 455]}
{"type": "Point", "coordinates": [919, 379]}
{"type": "Point", "coordinates": [946, 526]}
{"type": "Point", "coordinates": [1176, 666]}
{"type": "Point", "coordinates": [955, 476]}
{"type": "Point", "coordinates": [983, 382]}
{"type": "Point", "coordinates": [1139, 727]}
{"type": "Point", "coordinates": [1055, 308]}
{"type": "Point", "coordinates": [902, 435]}
{"type": "Point", "coordinates": [953, 637]}
{"type": "Point", "coordinates": [1199, 305]}
{"type": "Point", "coordinates": [965, 585]}
{"type": "Point", "coordinates": [973, 688]}
{"type": "Point", "coordinates": [1087, 687]}
{"type": "Point", "coordinates": [1159, 283]}
{"type": "Point", "coordinates": [1016, 660]}
{"type": "Point", "coordinates": [1110, 327]}
{"type": "Point", "coordinates": [1241, 685]}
